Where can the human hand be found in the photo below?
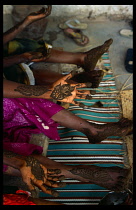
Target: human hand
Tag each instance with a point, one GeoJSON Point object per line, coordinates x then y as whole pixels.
{"type": "Point", "coordinates": [42, 13]}
{"type": "Point", "coordinates": [35, 174]}
{"type": "Point", "coordinates": [35, 56]}
{"type": "Point", "coordinates": [65, 90]}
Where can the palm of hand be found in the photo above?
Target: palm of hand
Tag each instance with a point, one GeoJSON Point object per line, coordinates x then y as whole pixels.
{"type": "Point", "coordinates": [35, 174]}
{"type": "Point", "coordinates": [65, 92]}
{"type": "Point", "coordinates": [42, 13]}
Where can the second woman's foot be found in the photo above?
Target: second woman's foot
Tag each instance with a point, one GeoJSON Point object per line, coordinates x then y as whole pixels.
{"type": "Point", "coordinates": [94, 77]}
{"type": "Point", "coordinates": [91, 57]}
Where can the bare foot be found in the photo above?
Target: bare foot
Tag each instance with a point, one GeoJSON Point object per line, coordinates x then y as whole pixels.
{"type": "Point", "coordinates": [92, 56]}
{"type": "Point", "coordinates": [112, 178]}
{"type": "Point", "coordinates": [94, 77]}
{"type": "Point", "coordinates": [97, 133]}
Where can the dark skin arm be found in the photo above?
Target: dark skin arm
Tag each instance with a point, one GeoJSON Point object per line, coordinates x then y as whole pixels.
{"type": "Point", "coordinates": [57, 90]}
{"type": "Point", "coordinates": [14, 31]}
{"type": "Point", "coordinates": [16, 90]}
{"type": "Point", "coordinates": [22, 58]}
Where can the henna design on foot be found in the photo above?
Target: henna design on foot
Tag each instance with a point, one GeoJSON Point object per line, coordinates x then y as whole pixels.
{"type": "Point", "coordinates": [113, 178]}
{"type": "Point", "coordinates": [93, 55]}
{"type": "Point", "coordinates": [94, 175]}
{"type": "Point", "coordinates": [120, 128]}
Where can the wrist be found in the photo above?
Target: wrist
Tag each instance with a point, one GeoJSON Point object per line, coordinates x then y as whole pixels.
{"type": "Point", "coordinates": [14, 162]}
{"type": "Point", "coordinates": [12, 159]}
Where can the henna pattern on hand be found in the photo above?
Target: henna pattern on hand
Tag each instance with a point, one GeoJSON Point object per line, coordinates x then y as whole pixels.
{"type": "Point", "coordinates": [62, 91]}
{"type": "Point", "coordinates": [36, 169]}
{"type": "Point", "coordinates": [93, 175]}
{"type": "Point", "coordinates": [29, 90]}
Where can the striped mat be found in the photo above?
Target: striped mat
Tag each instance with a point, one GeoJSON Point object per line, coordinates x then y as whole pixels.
{"type": "Point", "coordinates": [74, 149]}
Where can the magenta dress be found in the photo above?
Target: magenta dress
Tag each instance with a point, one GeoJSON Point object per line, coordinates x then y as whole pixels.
{"type": "Point", "coordinates": [26, 116]}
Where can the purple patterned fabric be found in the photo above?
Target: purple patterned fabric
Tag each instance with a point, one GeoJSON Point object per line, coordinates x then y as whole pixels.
{"type": "Point", "coordinates": [24, 116]}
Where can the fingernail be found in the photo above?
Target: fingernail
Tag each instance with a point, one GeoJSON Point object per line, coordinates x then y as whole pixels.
{"type": "Point", "coordinates": [88, 97]}
{"type": "Point", "coordinates": [93, 92]}
{"type": "Point", "coordinates": [88, 84]}
{"type": "Point", "coordinates": [81, 105]}
{"type": "Point", "coordinates": [55, 194]}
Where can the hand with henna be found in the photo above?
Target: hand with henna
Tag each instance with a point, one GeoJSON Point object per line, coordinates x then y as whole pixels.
{"type": "Point", "coordinates": [65, 90]}
{"type": "Point", "coordinates": [14, 31]}
{"type": "Point", "coordinates": [42, 13]}
{"type": "Point", "coordinates": [35, 174]}
{"type": "Point", "coordinates": [35, 56]}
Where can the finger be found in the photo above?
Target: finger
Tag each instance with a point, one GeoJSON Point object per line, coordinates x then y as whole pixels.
{"type": "Point", "coordinates": [37, 55]}
{"type": "Point", "coordinates": [55, 184]}
{"type": "Point", "coordinates": [67, 77]}
{"type": "Point", "coordinates": [42, 10]}
{"type": "Point", "coordinates": [45, 189]}
{"type": "Point", "coordinates": [49, 8]}
{"type": "Point", "coordinates": [85, 92]}
{"type": "Point", "coordinates": [31, 186]}
{"type": "Point", "coordinates": [53, 171]}
{"type": "Point", "coordinates": [56, 178]}
{"type": "Point", "coordinates": [75, 103]}
{"type": "Point", "coordinates": [79, 104]}
{"type": "Point", "coordinates": [81, 85]}
{"type": "Point", "coordinates": [33, 193]}
{"type": "Point", "coordinates": [81, 96]}
{"type": "Point", "coordinates": [45, 172]}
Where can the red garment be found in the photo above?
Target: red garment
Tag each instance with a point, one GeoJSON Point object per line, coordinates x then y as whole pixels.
{"type": "Point", "coordinates": [16, 199]}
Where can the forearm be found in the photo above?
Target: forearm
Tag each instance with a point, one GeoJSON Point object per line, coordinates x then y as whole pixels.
{"type": "Point", "coordinates": [12, 159]}
{"type": "Point", "coordinates": [14, 31]}
{"type": "Point", "coordinates": [16, 90]}
{"type": "Point", "coordinates": [15, 59]}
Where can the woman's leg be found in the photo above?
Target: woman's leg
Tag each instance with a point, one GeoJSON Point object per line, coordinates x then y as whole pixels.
{"type": "Point", "coordinates": [87, 59]}
{"type": "Point", "coordinates": [94, 132]}
{"type": "Point", "coordinates": [113, 178]}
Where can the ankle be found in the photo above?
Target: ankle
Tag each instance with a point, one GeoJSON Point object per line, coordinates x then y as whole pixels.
{"type": "Point", "coordinates": [81, 58]}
